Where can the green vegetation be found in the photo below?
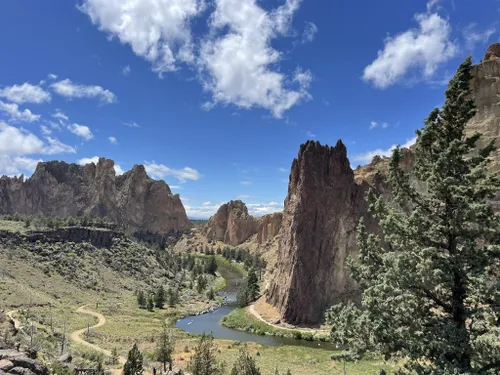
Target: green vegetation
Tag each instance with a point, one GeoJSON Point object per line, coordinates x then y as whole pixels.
{"type": "Point", "coordinates": [165, 345]}
{"type": "Point", "coordinates": [204, 360]}
{"type": "Point", "coordinates": [249, 290]}
{"type": "Point", "coordinates": [245, 364]}
{"type": "Point", "coordinates": [133, 366]}
{"type": "Point", "coordinates": [431, 286]}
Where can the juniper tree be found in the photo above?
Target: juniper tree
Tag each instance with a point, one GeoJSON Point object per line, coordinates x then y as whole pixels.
{"type": "Point", "coordinates": [204, 361]}
{"type": "Point", "coordinates": [160, 297]}
{"type": "Point", "coordinates": [430, 283]}
{"type": "Point", "coordinates": [165, 348]}
{"type": "Point", "coordinates": [253, 285]}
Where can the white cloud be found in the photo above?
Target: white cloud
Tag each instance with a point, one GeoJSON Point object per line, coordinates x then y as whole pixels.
{"type": "Point", "coordinates": [368, 156]}
{"type": "Point", "coordinates": [95, 159]}
{"type": "Point", "coordinates": [422, 49]}
{"type": "Point", "coordinates": [126, 70]}
{"type": "Point", "coordinates": [112, 140]}
{"type": "Point", "coordinates": [52, 76]}
{"type": "Point", "coordinates": [160, 171]}
{"type": "Point", "coordinates": [177, 187]}
{"type": "Point", "coordinates": [311, 134]}
{"type": "Point", "coordinates": [472, 37]}
{"type": "Point", "coordinates": [203, 211]}
{"type": "Point", "coordinates": [81, 131]}
{"type": "Point", "coordinates": [25, 93]}
{"type": "Point", "coordinates": [385, 125]}
{"type": "Point", "coordinates": [12, 110]}
{"type": "Point", "coordinates": [157, 30]}
{"type": "Point", "coordinates": [283, 170]}
{"type": "Point", "coordinates": [431, 4]}
{"type": "Point", "coordinates": [59, 115]}
{"type": "Point", "coordinates": [245, 183]}
{"type": "Point", "coordinates": [72, 90]}
{"type": "Point", "coordinates": [260, 209]}
{"type": "Point", "coordinates": [45, 130]}
{"type": "Point", "coordinates": [238, 62]}
{"type": "Point", "coordinates": [131, 124]}
{"type": "Point", "coordinates": [373, 125]}
{"type": "Point", "coordinates": [310, 32]}
{"type": "Point", "coordinates": [16, 144]}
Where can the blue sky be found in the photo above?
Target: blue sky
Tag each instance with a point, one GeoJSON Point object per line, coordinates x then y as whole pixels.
{"type": "Point", "coordinates": [216, 96]}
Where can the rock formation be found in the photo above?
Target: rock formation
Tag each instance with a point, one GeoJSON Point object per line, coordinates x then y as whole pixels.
{"type": "Point", "coordinates": [133, 200]}
{"type": "Point", "coordinates": [269, 227]}
{"type": "Point", "coordinates": [18, 363]}
{"type": "Point", "coordinates": [232, 224]}
{"type": "Point", "coordinates": [322, 211]}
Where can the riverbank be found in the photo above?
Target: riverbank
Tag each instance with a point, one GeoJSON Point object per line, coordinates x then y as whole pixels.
{"type": "Point", "coordinates": [244, 320]}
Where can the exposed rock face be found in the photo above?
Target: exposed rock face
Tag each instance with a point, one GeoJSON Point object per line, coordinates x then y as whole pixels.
{"type": "Point", "coordinates": [18, 363]}
{"type": "Point", "coordinates": [132, 200]}
{"type": "Point", "coordinates": [232, 224]}
{"type": "Point", "coordinates": [493, 52]}
{"type": "Point", "coordinates": [269, 227]}
{"type": "Point", "coordinates": [322, 211]}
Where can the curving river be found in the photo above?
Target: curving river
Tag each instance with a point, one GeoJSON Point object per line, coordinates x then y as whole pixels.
{"type": "Point", "coordinates": [210, 323]}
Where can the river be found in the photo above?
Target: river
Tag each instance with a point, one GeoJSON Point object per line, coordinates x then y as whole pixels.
{"type": "Point", "coordinates": [210, 323]}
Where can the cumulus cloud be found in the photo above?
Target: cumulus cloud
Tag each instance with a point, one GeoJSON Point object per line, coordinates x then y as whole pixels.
{"type": "Point", "coordinates": [72, 90]}
{"type": "Point", "coordinates": [373, 125]}
{"type": "Point", "coordinates": [235, 61]}
{"type": "Point", "coordinates": [17, 144]}
{"type": "Point", "coordinates": [45, 130]}
{"type": "Point", "coordinates": [95, 159]}
{"type": "Point", "coordinates": [422, 50]}
{"type": "Point", "coordinates": [309, 33]}
{"type": "Point", "coordinates": [202, 211]}
{"type": "Point", "coordinates": [25, 93]}
{"type": "Point", "coordinates": [238, 62]}
{"type": "Point", "coordinates": [260, 209]}
{"type": "Point", "coordinates": [59, 115]}
{"type": "Point", "coordinates": [52, 76]}
{"type": "Point", "coordinates": [112, 140]}
{"type": "Point", "coordinates": [473, 37]}
{"type": "Point", "coordinates": [81, 131]}
{"type": "Point", "coordinates": [160, 171]}
{"type": "Point", "coordinates": [15, 114]}
{"type": "Point", "coordinates": [368, 156]}
{"type": "Point", "coordinates": [157, 30]}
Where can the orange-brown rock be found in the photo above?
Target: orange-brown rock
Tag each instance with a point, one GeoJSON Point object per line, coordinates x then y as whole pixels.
{"type": "Point", "coordinates": [318, 234]}
{"type": "Point", "coordinates": [269, 227]}
{"type": "Point", "coordinates": [232, 224]}
{"type": "Point", "coordinates": [133, 200]}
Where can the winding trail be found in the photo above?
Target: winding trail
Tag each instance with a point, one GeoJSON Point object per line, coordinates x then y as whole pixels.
{"type": "Point", "coordinates": [252, 310]}
{"type": "Point", "coordinates": [76, 336]}
{"type": "Point", "coordinates": [17, 323]}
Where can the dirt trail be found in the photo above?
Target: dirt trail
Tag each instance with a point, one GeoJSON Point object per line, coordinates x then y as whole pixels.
{"type": "Point", "coordinates": [252, 310]}
{"type": "Point", "coordinates": [76, 337]}
{"type": "Point", "coordinates": [17, 323]}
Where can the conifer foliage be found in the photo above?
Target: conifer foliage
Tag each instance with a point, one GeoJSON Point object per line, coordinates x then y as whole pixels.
{"type": "Point", "coordinates": [430, 282]}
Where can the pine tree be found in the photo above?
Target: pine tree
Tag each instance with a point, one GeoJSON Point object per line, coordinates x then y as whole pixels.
{"type": "Point", "coordinates": [211, 294]}
{"type": "Point", "coordinates": [211, 266]}
{"type": "Point", "coordinates": [242, 295]}
{"type": "Point", "coordinates": [431, 294]}
{"type": "Point", "coordinates": [160, 297]}
{"type": "Point", "coordinates": [165, 347]}
{"type": "Point", "coordinates": [253, 285]}
{"type": "Point", "coordinates": [133, 366]}
{"type": "Point", "coordinates": [245, 364]}
{"type": "Point", "coordinates": [204, 361]}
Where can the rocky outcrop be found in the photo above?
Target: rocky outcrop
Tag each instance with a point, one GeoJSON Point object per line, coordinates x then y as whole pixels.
{"type": "Point", "coordinates": [322, 211]}
{"type": "Point", "coordinates": [232, 224]}
{"type": "Point", "coordinates": [269, 227]}
{"type": "Point", "coordinates": [133, 200]}
{"type": "Point", "coordinates": [18, 363]}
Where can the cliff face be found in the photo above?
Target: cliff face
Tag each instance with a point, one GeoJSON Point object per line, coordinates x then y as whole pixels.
{"type": "Point", "coordinates": [322, 210]}
{"type": "Point", "coordinates": [232, 224]}
{"type": "Point", "coordinates": [132, 200]}
{"type": "Point", "coordinates": [269, 227]}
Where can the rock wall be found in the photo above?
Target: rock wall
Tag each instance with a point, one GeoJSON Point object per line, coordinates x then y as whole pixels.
{"type": "Point", "coordinates": [133, 200]}
{"type": "Point", "coordinates": [269, 227]}
{"type": "Point", "coordinates": [322, 211]}
{"type": "Point", "coordinates": [232, 224]}
{"type": "Point", "coordinates": [18, 363]}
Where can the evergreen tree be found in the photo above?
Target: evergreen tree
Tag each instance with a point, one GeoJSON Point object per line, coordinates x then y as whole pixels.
{"type": "Point", "coordinates": [245, 364]}
{"type": "Point", "coordinates": [431, 291]}
{"type": "Point", "coordinates": [173, 297]}
{"type": "Point", "coordinates": [151, 304]}
{"type": "Point", "coordinates": [211, 267]}
{"type": "Point", "coordinates": [141, 299]}
{"type": "Point", "coordinates": [204, 361]}
{"type": "Point", "coordinates": [253, 285]}
{"type": "Point", "coordinates": [242, 295]}
{"type": "Point", "coordinates": [211, 294]}
{"type": "Point", "coordinates": [114, 356]}
{"type": "Point", "coordinates": [165, 347]}
{"type": "Point", "coordinates": [133, 366]}
{"type": "Point", "coordinates": [202, 283]}
{"type": "Point", "coordinates": [160, 297]}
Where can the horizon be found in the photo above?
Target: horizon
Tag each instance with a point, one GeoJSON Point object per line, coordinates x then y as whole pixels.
{"type": "Point", "coordinates": [94, 81]}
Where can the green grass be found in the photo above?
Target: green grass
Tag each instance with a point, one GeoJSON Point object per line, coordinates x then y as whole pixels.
{"type": "Point", "coordinates": [243, 320]}
{"type": "Point", "coordinates": [13, 226]}
{"type": "Point", "coordinates": [238, 267]}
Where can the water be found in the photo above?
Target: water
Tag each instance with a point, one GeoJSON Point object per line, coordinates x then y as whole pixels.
{"type": "Point", "coordinates": [210, 323]}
